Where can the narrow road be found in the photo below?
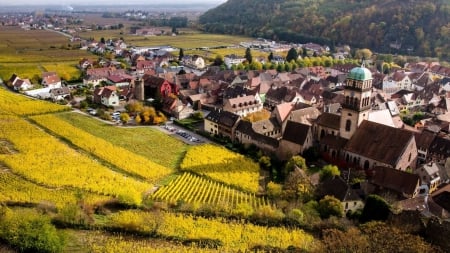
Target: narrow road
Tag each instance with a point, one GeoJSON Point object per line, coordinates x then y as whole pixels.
{"type": "Point", "coordinates": [64, 34]}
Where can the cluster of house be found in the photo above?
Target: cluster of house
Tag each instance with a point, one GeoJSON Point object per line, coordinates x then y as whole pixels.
{"type": "Point", "coordinates": [50, 87]}
{"type": "Point", "coordinates": [342, 110]}
{"type": "Point", "coordinates": [351, 113]}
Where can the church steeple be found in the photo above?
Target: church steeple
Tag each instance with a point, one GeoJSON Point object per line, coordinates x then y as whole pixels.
{"type": "Point", "coordinates": [357, 93]}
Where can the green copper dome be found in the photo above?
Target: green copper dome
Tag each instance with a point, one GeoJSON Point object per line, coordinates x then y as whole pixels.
{"type": "Point", "coordinates": [360, 73]}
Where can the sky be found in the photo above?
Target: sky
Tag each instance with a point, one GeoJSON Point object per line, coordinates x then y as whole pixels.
{"type": "Point", "coordinates": [106, 2]}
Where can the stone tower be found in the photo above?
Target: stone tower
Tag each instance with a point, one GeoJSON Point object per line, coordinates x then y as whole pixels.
{"type": "Point", "coordinates": [357, 93]}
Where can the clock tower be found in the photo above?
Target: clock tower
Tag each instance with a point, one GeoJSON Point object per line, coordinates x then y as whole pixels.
{"type": "Point", "coordinates": [357, 104]}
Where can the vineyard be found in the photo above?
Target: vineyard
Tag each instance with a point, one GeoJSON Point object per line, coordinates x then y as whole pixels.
{"type": "Point", "coordinates": [190, 188]}
{"type": "Point", "coordinates": [233, 235]}
{"type": "Point", "coordinates": [15, 189]}
{"type": "Point", "coordinates": [21, 105]}
{"type": "Point", "coordinates": [147, 142]}
{"type": "Point", "coordinates": [26, 52]}
{"type": "Point", "coordinates": [222, 165]}
{"type": "Point", "coordinates": [43, 159]}
{"type": "Point", "coordinates": [119, 157]}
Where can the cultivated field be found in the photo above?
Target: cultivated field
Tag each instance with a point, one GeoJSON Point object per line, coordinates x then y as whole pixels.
{"type": "Point", "coordinates": [29, 53]}
{"type": "Point", "coordinates": [45, 160]}
{"type": "Point", "coordinates": [222, 165]}
{"type": "Point", "coordinates": [198, 191]}
{"type": "Point", "coordinates": [18, 104]}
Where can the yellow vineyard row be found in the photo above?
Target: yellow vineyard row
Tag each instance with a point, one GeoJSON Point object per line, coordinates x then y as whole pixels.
{"type": "Point", "coordinates": [234, 236]}
{"type": "Point", "coordinates": [222, 165]}
{"type": "Point", "coordinates": [12, 103]}
{"type": "Point", "coordinates": [190, 188]}
{"type": "Point", "coordinates": [43, 159]}
{"type": "Point", "coordinates": [118, 156]}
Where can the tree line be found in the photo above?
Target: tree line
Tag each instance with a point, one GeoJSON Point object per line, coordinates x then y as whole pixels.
{"type": "Point", "coordinates": [388, 26]}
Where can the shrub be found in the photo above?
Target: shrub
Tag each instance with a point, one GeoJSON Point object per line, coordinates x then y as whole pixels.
{"type": "Point", "coordinates": [30, 232]}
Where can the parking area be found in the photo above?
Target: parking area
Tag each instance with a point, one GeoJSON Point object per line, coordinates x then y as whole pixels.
{"type": "Point", "coordinates": [184, 135]}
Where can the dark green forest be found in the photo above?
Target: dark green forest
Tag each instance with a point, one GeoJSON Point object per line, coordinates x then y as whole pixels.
{"type": "Point", "coordinates": [417, 27]}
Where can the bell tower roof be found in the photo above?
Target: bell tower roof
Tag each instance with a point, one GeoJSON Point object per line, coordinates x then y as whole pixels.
{"type": "Point", "coordinates": [360, 73]}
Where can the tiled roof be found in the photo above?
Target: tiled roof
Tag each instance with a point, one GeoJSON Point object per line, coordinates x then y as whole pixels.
{"type": "Point", "coordinates": [442, 197]}
{"type": "Point", "coordinates": [338, 188]}
{"type": "Point", "coordinates": [51, 79]}
{"type": "Point", "coordinates": [283, 110]}
{"type": "Point", "coordinates": [264, 126]}
{"type": "Point", "coordinates": [245, 127]}
{"type": "Point", "coordinates": [424, 139]}
{"type": "Point", "coordinates": [329, 120]}
{"type": "Point", "coordinates": [440, 146]}
{"type": "Point", "coordinates": [333, 141]}
{"type": "Point", "coordinates": [396, 180]}
{"type": "Point", "coordinates": [379, 142]}
{"type": "Point", "coordinates": [60, 91]}
{"type": "Point", "coordinates": [296, 132]}
{"type": "Point", "coordinates": [222, 117]}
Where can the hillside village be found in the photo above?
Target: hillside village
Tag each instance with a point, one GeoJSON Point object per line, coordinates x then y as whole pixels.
{"type": "Point", "coordinates": [388, 133]}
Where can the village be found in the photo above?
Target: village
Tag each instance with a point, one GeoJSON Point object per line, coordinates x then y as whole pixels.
{"type": "Point", "coordinates": [385, 127]}
{"type": "Point", "coordinates": [352, 115]}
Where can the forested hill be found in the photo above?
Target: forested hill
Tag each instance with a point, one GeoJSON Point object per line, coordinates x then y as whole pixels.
{"type": "Point", "coordinates": [421, 25]}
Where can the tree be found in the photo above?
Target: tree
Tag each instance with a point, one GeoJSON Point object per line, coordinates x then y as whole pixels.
{"type": "Point", "coordinates": [330, 206]}
{"type": "Point", "coordinates": [134, 107]}
{"type": "Point", "coordinates": [376, 208]}
{"type": "Point", "coordinates": [350, 241]}
{"type": "Point", "coordinates": [363, 53]}
{"type": "Point", "coordinates": [218, 61]}
{"type": "Point", "coordinates": [124, 117]}
{"type": "Point", "coordinates": [248, 55]}
{"type": "Point", "coordinates": [292, 55]}
{"type": "Point", "coordinates": [270, 57]}
{"type": "Point", "coordinates": [264, 162]}
{"type": "Point", "coordinates": [181, 54]}
{"type": "Point", "coordinates": [329, 171]}
{"type": "Point", "coordinates": [385, 239]}
{"type": "Point", "coordinates": [304, 52]}
{"type": "Point", "coordinates": [298, 186]}
{"type": "Point", "coordinates": [274, 190]}
{"type": "Point", "coordinates": [256, 65]}
{"type": "Point", "coordinates": [30, 232]}
{"type": "Point", "coordinates": [295, 161]}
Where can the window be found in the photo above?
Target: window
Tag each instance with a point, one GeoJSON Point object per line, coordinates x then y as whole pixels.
{"type": "Point", "coordinates": [348, 125]}
{"type": "Point", "coordinates": [366, 164]}
{"type": "Point", "coordinates": [409, 157]}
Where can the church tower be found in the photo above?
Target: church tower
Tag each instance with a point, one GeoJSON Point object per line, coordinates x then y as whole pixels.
{"type": "Point", "coordinates": [357, 93]}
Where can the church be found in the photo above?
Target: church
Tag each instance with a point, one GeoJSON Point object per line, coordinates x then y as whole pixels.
{"type": "Point", "coordinates": [354, 139]}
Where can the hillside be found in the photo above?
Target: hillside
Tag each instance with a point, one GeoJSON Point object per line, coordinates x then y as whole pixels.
{"type": "Point", "coordinates": [423, 26]}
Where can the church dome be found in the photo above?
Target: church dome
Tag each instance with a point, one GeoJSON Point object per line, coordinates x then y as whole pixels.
{"type": "Point", "coordinates": [360, 73]}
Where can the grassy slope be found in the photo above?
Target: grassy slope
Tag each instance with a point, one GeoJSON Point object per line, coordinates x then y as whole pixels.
{"type": "Point", "coordinates": [144, 141]}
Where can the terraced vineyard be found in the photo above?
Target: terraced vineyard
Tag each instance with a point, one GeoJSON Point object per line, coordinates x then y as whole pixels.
{"type": "Point", "coordinates": [45, 160]}
{"type": "Point", "coordinates": [191, 188]}
{"type": "Point", "coordinates": [17, 190]}
{"type": "Point", "coordinates": [119, 157]}
{"type": "Point", "coordinates": [222, 165]}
